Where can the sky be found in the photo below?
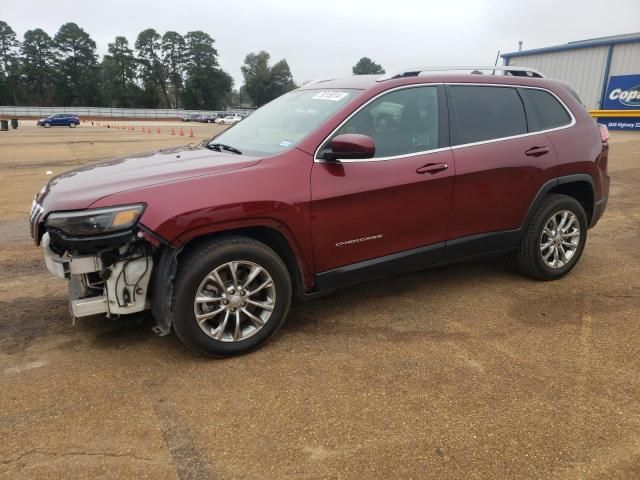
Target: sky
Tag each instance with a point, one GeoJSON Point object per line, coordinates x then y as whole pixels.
{"type": "Point", "coordinates": [326, 38]}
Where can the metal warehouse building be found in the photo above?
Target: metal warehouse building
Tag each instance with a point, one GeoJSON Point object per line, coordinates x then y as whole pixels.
{"type": "Point", "coordinates": [599, 69]}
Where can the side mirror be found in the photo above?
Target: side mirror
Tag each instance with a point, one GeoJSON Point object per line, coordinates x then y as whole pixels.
{"type": "Point", "coordinates": [350, 146]}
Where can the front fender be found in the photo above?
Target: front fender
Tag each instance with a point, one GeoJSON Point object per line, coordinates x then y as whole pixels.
{"type": "Point", "coordinates": [300, 247]}
{"type": "Point", "coordinates": [274, 193]}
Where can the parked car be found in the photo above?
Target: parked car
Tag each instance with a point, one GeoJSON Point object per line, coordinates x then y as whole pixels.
{"type": "Point", "coordinates": [214, 118]}
{"type": "Point", "coordinates": [312, 192]}
{"type": "Point", "coordinates": [208, 118]}
{"type": "Point", "coordinates": [191, 117]}
{"type": "Point", "coordinates": [59, 120]}
{"type": "Point", "coordinates": [229, 120]}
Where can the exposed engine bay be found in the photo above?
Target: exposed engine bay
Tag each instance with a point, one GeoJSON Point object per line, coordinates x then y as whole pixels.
{"type": "Point", "coordinates": [114, 281]}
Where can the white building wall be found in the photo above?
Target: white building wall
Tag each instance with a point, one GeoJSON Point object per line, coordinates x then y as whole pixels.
{"type": "Point", "coordinates": [625, 59]}
{"type": "Point", "coordinates": [583, 68]}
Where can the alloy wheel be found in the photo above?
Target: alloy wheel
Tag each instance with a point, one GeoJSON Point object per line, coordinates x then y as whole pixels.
{"type": "Point", "coordinates": [560, 239]}
{"type": "Point", "coordinates": [234, 301]}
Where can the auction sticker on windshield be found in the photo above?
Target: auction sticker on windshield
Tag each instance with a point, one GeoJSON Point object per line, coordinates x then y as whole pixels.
{"type": "Point", "coordinates": [331, 96]}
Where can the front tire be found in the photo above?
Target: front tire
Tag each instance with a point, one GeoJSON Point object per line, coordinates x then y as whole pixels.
{"type": "Point", "coordinates": [231, 295]}
{"type": "Point", "coordinates": [72, 124]}
{"type": "Point", "coordinates": [47, 125]}
{"type": "Point", "coordinates": [554, 239]}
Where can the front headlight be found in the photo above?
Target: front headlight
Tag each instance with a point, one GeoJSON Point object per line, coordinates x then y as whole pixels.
{"type": "Point", "coordinates": [95, 221]}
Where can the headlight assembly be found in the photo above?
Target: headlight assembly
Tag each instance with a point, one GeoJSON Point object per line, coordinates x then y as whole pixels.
{"type": "Point", "coordinates": [95, 221]}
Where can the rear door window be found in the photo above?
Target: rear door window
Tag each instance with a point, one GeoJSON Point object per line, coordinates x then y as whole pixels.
{"type": "Point", "coordinates": [544, 111]}
{"type": "Point", "coordinates": [486, 113]}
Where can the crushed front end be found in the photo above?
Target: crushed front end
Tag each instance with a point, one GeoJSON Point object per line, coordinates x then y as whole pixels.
{"type": "Point", "coordinates": [104, 254]}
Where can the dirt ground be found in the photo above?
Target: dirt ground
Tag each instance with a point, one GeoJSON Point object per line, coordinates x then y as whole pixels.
{"type": "Point", "coordinates": [469, 371]}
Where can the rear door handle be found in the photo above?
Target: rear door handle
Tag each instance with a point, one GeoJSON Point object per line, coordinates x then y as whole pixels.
{"type": "Point", "coordinates": [537, 151]}
{"type": "Point", "coordinates": [432, 168]}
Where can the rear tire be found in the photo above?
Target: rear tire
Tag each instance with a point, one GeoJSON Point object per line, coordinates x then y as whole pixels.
{"type": "Point", "coordinates": [554, 239]}
{"type": "Point", "coordinates": [249, 313]}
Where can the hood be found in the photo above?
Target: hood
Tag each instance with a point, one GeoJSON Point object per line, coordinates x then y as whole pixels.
{"type": "Point", "coordinates": [79, 188]}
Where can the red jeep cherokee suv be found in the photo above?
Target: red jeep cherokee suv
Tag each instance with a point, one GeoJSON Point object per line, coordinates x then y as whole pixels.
{"type": "Point", "coordinates": [336, 182]}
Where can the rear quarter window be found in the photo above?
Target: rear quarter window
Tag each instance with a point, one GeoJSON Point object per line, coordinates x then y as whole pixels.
{"type": "Point", "coordinates": [485, 113]}
{"type": "Point", "coordinates": [544, 111]}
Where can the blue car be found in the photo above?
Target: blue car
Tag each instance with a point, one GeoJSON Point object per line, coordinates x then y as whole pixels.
{"type": "Point", "coordinates": [59, 120]}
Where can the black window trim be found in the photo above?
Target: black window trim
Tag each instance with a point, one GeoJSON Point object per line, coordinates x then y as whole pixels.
{"type": "Point", "coordinates": [444, 127]}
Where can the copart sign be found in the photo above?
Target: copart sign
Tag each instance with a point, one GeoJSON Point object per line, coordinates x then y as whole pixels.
{"type": "Point", "coordinates": [623, 93]}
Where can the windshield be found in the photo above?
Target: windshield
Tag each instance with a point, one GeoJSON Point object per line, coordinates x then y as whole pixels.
{"type": "Point", "coordinates": [285, 121]}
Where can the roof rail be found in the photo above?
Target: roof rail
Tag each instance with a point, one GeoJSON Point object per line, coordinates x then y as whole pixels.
{"type": "Point", "coordinates": [507, 70]}
{"type": "Point", "coordinates": [319, 80]}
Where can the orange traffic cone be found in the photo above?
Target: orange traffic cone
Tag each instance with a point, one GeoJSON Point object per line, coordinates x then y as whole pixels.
{"type": "Point", "coordinates": [173, 131]}
{"type": "Point", "coordinates": [148, 129]}
{"type": "Point", "coordinates": [158, 130]}
{"type": "Point", "coordinates": [191, 132]}
{"type": "Point", "coordinates": [181, 133]}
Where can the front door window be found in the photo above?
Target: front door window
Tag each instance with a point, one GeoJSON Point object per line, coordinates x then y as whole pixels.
{"type": "Point", "coordinates": [400, 123]}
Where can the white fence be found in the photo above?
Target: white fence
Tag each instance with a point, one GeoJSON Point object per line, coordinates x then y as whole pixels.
{"type": "Point", "coordinates": [10, 111]}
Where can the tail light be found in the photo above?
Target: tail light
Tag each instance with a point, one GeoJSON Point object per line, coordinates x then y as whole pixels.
{"type": "Point", "coordinates": [603, 158]}
{"type": "Point", "coordinates": [604, 133]}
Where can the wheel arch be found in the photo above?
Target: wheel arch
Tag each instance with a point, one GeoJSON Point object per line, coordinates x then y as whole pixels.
{"type": "Point", "coordinates": [271, 237]}
{"type": "Point", "coordinates": [579, 186]}
{"type": "Point", "coordinates": [582, 191]}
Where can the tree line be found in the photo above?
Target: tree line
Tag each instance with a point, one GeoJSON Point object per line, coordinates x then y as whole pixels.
{"type": "Point", "coordinates": [156, 71]}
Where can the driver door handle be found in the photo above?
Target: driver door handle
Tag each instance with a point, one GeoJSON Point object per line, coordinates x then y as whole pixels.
{"type": "Point", "coordinates": [432, 168]}
{"type": "Point", "coordinates": [537, 151]}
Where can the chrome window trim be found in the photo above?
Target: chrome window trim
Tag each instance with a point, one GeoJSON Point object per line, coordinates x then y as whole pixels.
{"type": "Point", "coordinates": [442, 149]}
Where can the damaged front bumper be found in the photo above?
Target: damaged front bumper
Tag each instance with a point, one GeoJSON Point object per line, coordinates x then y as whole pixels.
{"type": "Point", "coordinates": [114, 282]}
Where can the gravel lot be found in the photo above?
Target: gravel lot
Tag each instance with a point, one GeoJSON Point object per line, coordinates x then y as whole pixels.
{"type": "Point", "coordinates": [469, 371]}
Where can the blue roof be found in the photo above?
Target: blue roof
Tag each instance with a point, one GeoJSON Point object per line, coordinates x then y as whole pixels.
{"type": "Point", "coordinates": [596, 42]}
